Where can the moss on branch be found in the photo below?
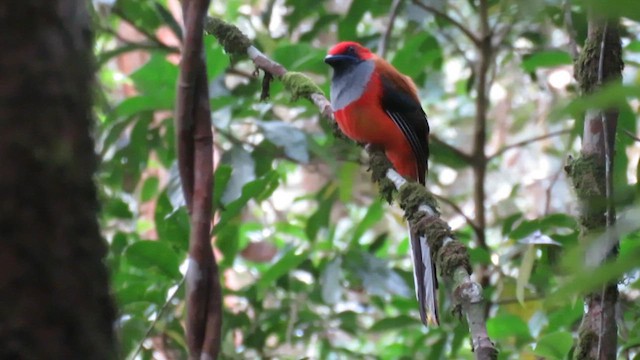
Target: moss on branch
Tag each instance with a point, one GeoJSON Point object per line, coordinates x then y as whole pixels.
{"type": "Point", "coordinates": [588, 63]}
{"type": "Point", "coordinates": [229, 36]}
{"type": "Point", "coordinates": [300, 85]}
{"type": "Point", "coordinates": [379, 165]}
{"type": "Point", "coordinates": [586, 173]}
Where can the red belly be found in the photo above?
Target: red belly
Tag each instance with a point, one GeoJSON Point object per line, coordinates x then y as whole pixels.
{"type": "Point", "coordinates": [366, 122]}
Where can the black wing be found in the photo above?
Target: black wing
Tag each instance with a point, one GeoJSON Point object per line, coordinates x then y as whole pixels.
{"type": "Point", "coordinates": [408, 115]}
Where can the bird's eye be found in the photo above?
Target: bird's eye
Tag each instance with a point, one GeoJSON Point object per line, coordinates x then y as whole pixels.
{"type": "Point", "coordinates": [351, 49]}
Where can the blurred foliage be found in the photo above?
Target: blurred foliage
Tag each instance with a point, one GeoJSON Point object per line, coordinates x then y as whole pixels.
{"type": "Point", "coordinates": [314, 264]}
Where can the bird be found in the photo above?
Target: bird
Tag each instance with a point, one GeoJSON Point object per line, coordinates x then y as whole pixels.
{"type": "Point", "coordinates": [375, 104]}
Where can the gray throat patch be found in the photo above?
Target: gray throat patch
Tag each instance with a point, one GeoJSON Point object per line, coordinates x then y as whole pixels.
{"type": "Point", "coordinates": [348, 85]}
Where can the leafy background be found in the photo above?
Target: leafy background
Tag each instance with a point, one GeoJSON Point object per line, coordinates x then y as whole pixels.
{"type": "Point", "coordinates": [314, 264]}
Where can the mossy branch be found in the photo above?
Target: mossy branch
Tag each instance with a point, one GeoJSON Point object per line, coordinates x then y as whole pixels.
{"type": "Point", "coordinates": [237, 44]}
{"type": "Point", "coordinates": [452, 258]}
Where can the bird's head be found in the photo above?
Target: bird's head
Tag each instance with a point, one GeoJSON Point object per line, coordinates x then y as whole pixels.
{"type": "Point", "coordinates": [347, 53]}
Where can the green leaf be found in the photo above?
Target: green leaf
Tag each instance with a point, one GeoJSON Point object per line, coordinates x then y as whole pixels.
{"type": "Point", "coordinates": [289, 261]}
{"type": "Point", "coordinates": [418, 52]}
{"type": "Point", "coordinates": [149, 188]}
{"type": "Point", "coordinates": [377, 277]}
{"type": "Point", "coordinates": [221, 179]}
{"type": "Point", "coordinates": [373, 216]}
{"type": "Point", "coordinates": [156, 74]}
{"type": "Point", "coordinates": [158, 255]}
{"type": "Point", "coordinates": [157, 100]}
{"type": "Point", "coordinates": [612, 95]}
{"type": "Point", "coordinates": [301, 56]}
{"type": "Point", "coordinates": [565, 316]}
{"type": "Point", "coordinates": [633, 46]}
{"type": "Point", "coordinates": [349, 321]}
{"type": "Point", "coordinates": [256, 189]}
{"type": "Point", "coordinates": [174, 188]}
{"type": "Point", "coordinates": [243, 166]}
{"type": "Point", "coordinates": [615, 9]}
{"type": "Point", "coordinates": [320, 218]}
{"type": "Point", "coordinates": [444, 155]}
{"type": "Point", "coordinates": [506, 326]}
{"type": "Point", "coordinates": [287, 137]}
{"type": "Point", "coordinates": [348, 25]}
{"type": "Point", "coordinates": [172, 224]}
{"type": "Point", "coordinates": [524, 273]}
{"type": "Point", "coordinates": [117, 208]}
{"type": "Point", "coordinates": [554, 346]}
{"type": "Point", "coordinates": [141, 13]}
{"type": "Point", "coordinates": [330, 281]}
{"type": "Point", "coordinates": [217, 60]}
{"type": "Point", "coordinates": [394, 323]}
{"type": "Point", "coordinates": [228, 244]}
{"type": "Point", "coordinates": [479, 256]}
{"type": "Point", "coordinates": [348, 173]}
{"type": "Point", "coordinates": [546, 59]}
{"type": "Point", "coordinates": [525, 228]}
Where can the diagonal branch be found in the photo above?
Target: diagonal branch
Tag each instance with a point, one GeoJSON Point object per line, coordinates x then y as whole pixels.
{"type": "Point", "coordinates": [527, 142]}
{"type": "Point", "coordinates": [466, 158]}
{"type": "Point", "coordinates": [419, 206]}
{"type": "Point", "coordinates": [451, 256]}
{"type": "Point", "coordinates": [384, 40]}
{"type": "Point", "coordinates": [459, 211]}
{"type": "Point", "coordinates": [195, 162]}
{"type": "Point", "coordinates": [151, 37]}
{"type": "Point", "coordinates": [443, 15]}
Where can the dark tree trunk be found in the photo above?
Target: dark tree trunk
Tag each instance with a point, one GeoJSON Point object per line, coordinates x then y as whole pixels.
{"type": "Point", "coordinates": [54, 290]}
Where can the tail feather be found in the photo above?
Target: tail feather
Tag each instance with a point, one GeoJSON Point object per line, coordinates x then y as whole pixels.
{"type": "Point", "coordinates": [424, 276]}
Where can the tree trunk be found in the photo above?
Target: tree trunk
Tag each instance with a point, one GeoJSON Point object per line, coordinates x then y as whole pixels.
{"type": "Point", "coordinates": [600, 62]}
{"type": "Point", "coordinates": [53, 284]}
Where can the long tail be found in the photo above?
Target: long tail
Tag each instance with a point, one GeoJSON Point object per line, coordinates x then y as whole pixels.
{"type": "Point", "coordinates": [424, 277]}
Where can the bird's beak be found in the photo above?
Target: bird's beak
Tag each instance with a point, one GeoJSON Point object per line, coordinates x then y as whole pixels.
{"type": "Point", "coordinates": [339, 58]}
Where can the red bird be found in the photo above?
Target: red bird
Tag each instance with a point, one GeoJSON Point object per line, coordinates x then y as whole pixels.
{"type": "Point", "coordinates": [373, 103]}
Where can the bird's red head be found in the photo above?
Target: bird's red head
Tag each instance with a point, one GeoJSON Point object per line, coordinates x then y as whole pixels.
{"type": "Point", "coordinates": [351, 47]}
{"type": "Point", "coordinates": [347, 52]}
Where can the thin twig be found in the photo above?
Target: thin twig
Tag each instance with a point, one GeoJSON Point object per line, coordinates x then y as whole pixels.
{"type": "Point", "coordinates": [384, 40]}
{"type": "Point", "coordinates": [153, 324]}
{"type": "Point", "coordinates": [241, 73]}
{"type": "Point", "coordinates": [151, 37]}
{"type": "Point", "coordinates": [528, 141]}
{"type": "Point", "coordinates": [146, 46]}
{"type": "Point", "coordinates": [443, 15]}
{"type": "Point", "coordinates": [456, 46]}
{"type": "Point", "coordinates": [466, 158]}
{"type": "Point", "coordinates": [549, 191]}
{"type": "Point", "coordinates": [459, 211]}
{"type": "Point", "coordinates": [568, 21]}
{"type": "Point", "coordinates": [485, 54]}
{"type": "Point", "coordinates": [631, 135]}
{"type": "Point", "coordinates": [508, 301]}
